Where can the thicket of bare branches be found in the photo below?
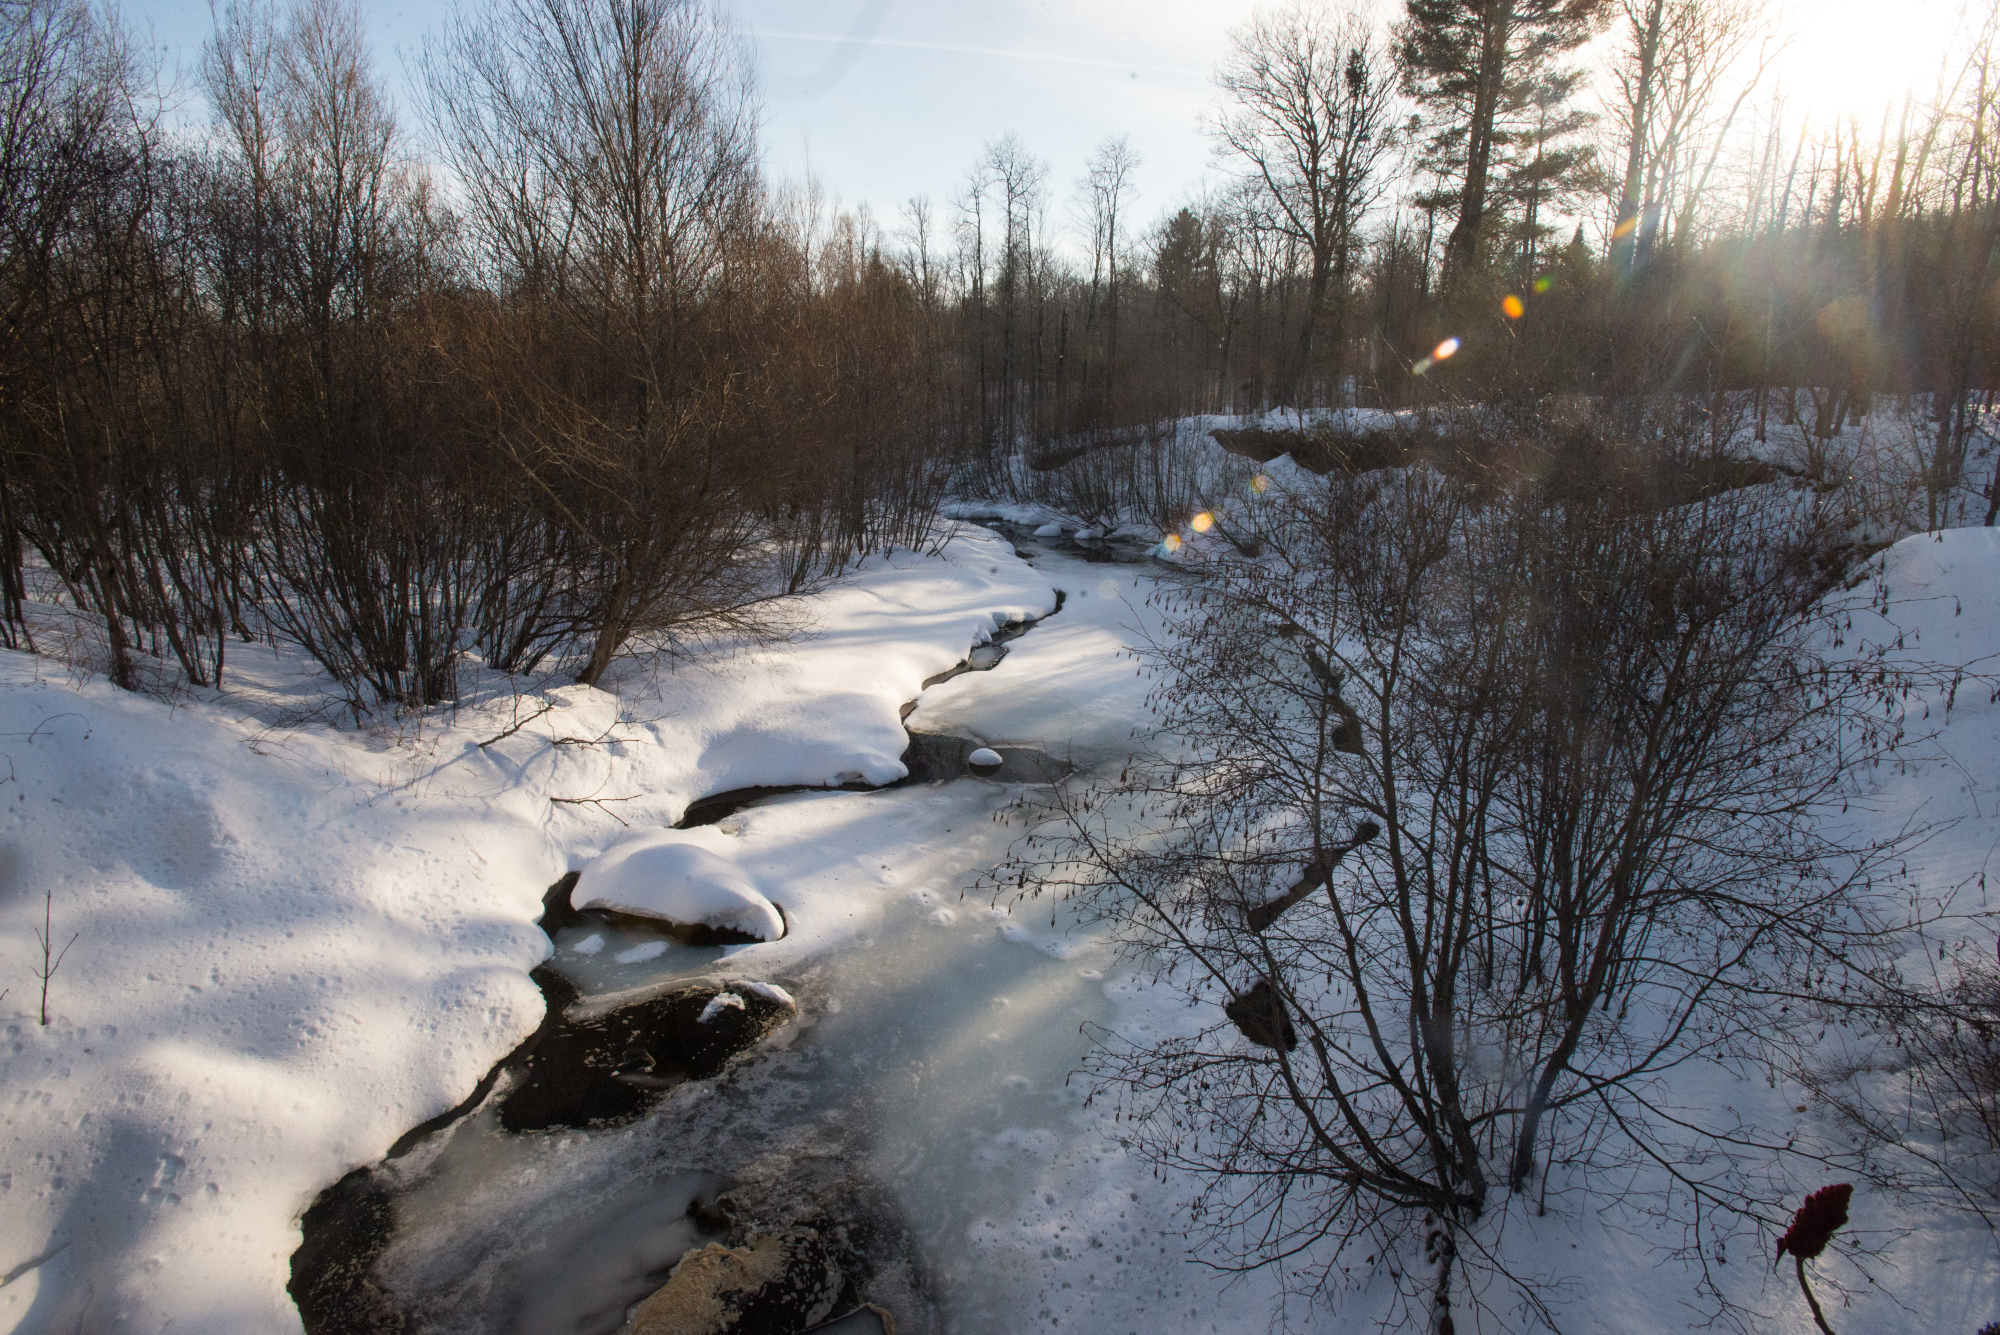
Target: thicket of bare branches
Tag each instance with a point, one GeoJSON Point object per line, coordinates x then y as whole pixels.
{"type": "Point", "coordinates": [620, 389]}
{"type": "Point", "coordinates": [269, 383]}
{"type": "Point", "coordinates": [1485, 804]}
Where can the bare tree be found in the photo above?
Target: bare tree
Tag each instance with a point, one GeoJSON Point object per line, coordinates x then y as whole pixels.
{"type": "Point", "coordinates": [1106, 189]}
{"type": "Point", "coordinates": [608, 153]}
{"type": "Point", "coordinates": [1021, 179]}
{"type": "Point", "coordinates": [1554, 751]}
{"type": "Point", "coordinates": [1674, 57]}
{"type": "Point", "coordinates": [1308, 120]}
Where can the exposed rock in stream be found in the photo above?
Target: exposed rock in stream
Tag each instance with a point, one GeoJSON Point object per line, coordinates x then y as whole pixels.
{"type": "Point", "coordinates": [934, 756]}
{"type": "Point", "coordinates": [584, 1066]}
{"type": "Point", "coordinates": [809, 1248]}
{"type": "Point", "coordinates": [783, 1279]}
{"type": "Point", "coordinates": [601, 1067]}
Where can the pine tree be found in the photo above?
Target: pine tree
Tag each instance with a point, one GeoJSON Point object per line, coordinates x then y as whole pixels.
{"type": "Point", "coordinates": [1485, 71]}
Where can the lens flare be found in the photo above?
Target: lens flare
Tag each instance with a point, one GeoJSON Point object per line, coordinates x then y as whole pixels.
{"type": "Point", "coordinates": [1513, 307]}
{"type": "Point", "coordinates": [1260, 484]}
{"type": "Point", "coordinates": [1172, 542]}
{"type": "Point", "coordinates": [1625, 228]}
{"type": "Point", "coordinates": [1423, 364]}
{"type": "Point", "coordinates": [1202, 522]}
{"type": "Point", "coordinates": [1544, 283]}
{"type": "Point", "coordinates": [1444, 349]}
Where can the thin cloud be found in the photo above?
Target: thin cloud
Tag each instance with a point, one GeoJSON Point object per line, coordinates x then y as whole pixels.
{"type": "Point", "coordinates": [954, 47]}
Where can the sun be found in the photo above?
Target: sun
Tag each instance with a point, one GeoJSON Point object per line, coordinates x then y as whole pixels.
{"type": "Point", "coordinates": [1853, 61]}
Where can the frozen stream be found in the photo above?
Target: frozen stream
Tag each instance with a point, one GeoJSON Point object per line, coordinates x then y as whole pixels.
{"type": "Point", "coordinates": [925, 1081]}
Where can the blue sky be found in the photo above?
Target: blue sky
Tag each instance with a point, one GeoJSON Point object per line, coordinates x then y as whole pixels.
{"type": "Point", "coordinates": [906, 105]}
{"type": "Point", "coordinates": [885, 99]}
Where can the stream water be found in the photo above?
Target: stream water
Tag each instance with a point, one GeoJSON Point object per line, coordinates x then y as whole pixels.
{"type": "Point", "coordinates": [923, 1081]}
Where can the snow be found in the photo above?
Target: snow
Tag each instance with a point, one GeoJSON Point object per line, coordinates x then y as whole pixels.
{"type": "Point", "coordinates": [669, 874]}
{"type": "Point", "coordinates": [1069, 687]}
{"type": "Point", "coordinates": [984, 757]}
{"type": "Point", "coordinates": [717, 1004]}
{"type": "Point", "coordinates": [280, 965]}
{"type": "Point", "coordinates": [1049, 530]}
{"type": "Point", "coordinates": [296, 942]}
{"type": "Point", "coordinates": [769, 991]}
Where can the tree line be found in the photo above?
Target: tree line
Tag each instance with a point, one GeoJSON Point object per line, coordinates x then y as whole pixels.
{"type": "Point", "coordinates": [267, 381]}
{"type": "Point", "coordinates": [576, 376]}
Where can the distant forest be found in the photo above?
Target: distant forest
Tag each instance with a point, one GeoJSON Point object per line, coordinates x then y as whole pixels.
{"type": "Point", "coordinates": [578, 377]}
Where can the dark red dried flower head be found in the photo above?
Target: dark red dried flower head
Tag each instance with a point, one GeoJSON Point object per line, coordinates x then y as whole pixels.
{"type": "Point", "coordinates": [1824, 1211]}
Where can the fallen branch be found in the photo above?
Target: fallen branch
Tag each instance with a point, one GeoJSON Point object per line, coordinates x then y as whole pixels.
{"type": "Point", "coordinates": [519, 724]}
{"type": "Point", "coordinates": [599, 803]}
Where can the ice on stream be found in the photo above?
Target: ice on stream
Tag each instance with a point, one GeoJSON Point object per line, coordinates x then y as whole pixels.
{"type": "Point", "coordinates": [933, 1055]}
{"type": "Point", "coordinates": [935, 1062]}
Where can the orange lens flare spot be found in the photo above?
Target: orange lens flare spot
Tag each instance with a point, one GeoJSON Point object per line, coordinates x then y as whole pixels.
{"type": "Point", "coordinates": [1513, 307]}
{"type": "Point", "coordinates": [1202, 522]}
{"type": "Point", "coordinates": [1260, 484]}
{"type": "Point", "coordinates": [1444, 349]}
{"type": "Point", "coordinates": [1172, 542]}
{"type": "Point", "coordinates": [1626, 228]}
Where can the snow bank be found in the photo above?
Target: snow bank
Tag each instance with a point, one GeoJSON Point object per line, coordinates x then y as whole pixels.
{"type": "Point", "coordinates": [823, 708]}
{"type": "Point", "coordinates": [667, 874]}
{"type": "Point", "coordinates": [295, 943]}
{"type": "Point", "coordinates": [279, 966]}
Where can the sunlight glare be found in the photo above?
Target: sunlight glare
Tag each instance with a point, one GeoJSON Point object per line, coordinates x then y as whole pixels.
{"type": "Point", "coordinates": [1444, 349]}
{"type": "Point", "coordinates": [1849, 60]}
{"type": "Point", "coordinates": [1512, 307]}
{"type": "Point", "coordinates": [1202, 522]}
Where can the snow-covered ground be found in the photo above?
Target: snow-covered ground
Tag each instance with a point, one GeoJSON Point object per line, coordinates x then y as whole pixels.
{"type": "Point", "coordinates": [295, 944]}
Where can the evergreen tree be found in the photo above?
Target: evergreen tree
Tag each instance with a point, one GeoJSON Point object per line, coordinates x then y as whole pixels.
{"type": "Point", "coordinates": [1487, 72]}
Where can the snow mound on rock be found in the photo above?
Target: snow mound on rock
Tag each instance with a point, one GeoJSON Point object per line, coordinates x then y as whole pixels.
{"type": "Point", "coordinates": [717, 1004]}
{"type": "Point", "coordinates": [662, 874]}
{"type": "Point", "coordinates": [1049, 530]}
{"type": "Point", "coordinates": [769, 991]}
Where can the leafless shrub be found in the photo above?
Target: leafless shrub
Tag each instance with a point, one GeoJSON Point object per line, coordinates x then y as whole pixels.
{"type": "Point", "coordinates": [1595, 741]}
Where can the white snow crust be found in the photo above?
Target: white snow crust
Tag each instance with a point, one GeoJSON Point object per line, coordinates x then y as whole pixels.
{"type": "Point", "coordinates": [720, 1002]}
